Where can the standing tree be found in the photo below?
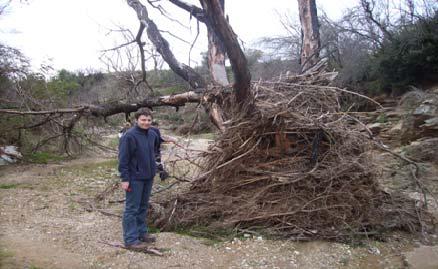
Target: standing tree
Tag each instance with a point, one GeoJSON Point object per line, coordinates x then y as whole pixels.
{"type": "Point", "coordinates": [310, 33]}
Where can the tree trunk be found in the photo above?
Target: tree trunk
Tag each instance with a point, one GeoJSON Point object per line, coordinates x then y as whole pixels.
{"type": "Point", "coordinates": [219, 25]}
{"type": "Point", "coordinates": [112, 108]}
{"type": "Point", "coordinates": [310, 33]}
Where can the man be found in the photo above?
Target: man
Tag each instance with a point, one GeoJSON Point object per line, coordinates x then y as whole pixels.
{"type": "Point", "coordinates": [137, 167]}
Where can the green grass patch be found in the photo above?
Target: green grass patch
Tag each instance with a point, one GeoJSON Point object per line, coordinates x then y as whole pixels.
{"type": "Point", "coordinates": [152, 229]}
{"type": "Point", "coordinates": [5, 254]}
{"type": "Point", "coordinates": [171, 90]}
{"type": "Point", "coordinates": [5, 261]}
{"type": "Point", "coordinates": [34, 267]}
{"type": "Point", "coordinates": [208, 236]}
{"type": "Point", "coordinates": [10, 186]}
{"type": "Point", "coordinates": [382, 118]}
{"type": "Point", "coordinates": [95, 168]}
{"type": "Point", "coordinates": [210, 136]}
{"type": "Point", "coordinates": [7, 186]}
{"type": "Point", "coordinates": [44, 157]}
{"type": "Point", "coordinates": [113, 142]}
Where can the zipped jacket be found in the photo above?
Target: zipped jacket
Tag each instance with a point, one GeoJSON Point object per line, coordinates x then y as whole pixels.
{"type": "Point", "coordinates": [137, 151]}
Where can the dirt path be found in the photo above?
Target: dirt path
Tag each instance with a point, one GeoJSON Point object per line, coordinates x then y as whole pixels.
{"type": "Point", "coordinates": [43, 224]}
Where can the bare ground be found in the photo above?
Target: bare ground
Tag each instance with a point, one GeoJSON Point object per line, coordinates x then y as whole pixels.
{"type": "Point", "coordinates": [44, 224]}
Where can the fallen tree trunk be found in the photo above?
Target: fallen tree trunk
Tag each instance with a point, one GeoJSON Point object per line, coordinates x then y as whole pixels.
{"type": "Point", "coordinates": [113, 108]}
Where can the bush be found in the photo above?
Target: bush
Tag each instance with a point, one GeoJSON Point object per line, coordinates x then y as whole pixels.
{"type": "Point", "coordinates": [44, 157]}
{"type": "Point", "coordinates": [409, 58]}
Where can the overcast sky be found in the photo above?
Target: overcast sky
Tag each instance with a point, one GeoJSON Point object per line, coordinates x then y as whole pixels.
{"type": "Point", "coordinates": [71, 34]}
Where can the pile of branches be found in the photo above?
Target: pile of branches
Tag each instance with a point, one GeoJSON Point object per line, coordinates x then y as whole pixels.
{"type": "Point", "coordinates": [298, 167]}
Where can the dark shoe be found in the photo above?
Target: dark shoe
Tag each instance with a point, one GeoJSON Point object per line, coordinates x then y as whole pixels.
{"type": "Point", "coordinates": [137, 246]}
{"type": "Point", "coordinates": [147, 238]}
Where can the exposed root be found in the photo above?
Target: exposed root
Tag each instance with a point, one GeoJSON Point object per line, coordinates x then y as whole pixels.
{"type": "Point", "coordinates": [297, 167]}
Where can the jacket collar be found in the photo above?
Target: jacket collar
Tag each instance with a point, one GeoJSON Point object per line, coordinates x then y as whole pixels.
{"type": "Point", "coordinates": [140, 130]}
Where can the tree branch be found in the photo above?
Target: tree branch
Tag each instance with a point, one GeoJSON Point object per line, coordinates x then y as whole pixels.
{"type": "Point", "coordinates": [142, 57]}
{"type": "Point", "coordinates": [194, 11]}
{"type": "Point", "coordinates": [162, 46]}
{"type": "Point", "coordinates": [369, 14]}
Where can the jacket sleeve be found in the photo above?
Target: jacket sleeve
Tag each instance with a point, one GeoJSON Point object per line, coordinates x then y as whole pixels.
{"type": "Point", "coordinates": [126, 150]}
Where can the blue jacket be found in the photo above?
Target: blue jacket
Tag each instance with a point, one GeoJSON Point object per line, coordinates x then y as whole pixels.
{"type": "Point", "coordinates": [137, 150]}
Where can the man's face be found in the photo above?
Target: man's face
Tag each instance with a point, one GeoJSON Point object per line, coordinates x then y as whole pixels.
{"type": "Point", "coordinates": [144, 122]}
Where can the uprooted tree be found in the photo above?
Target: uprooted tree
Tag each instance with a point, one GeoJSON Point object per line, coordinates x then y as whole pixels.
{"type": "Point", "coordinates": [288, 158]}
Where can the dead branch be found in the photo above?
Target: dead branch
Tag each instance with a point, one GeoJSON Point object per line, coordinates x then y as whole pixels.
{"type": "Point", "coordinates": [162, 46]}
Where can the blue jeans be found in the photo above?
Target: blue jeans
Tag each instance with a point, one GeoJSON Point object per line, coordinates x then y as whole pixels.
{"type": "Point", "coordinates": [136, 209]}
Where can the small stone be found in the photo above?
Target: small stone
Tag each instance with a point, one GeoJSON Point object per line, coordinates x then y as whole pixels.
{"type": "Point", "coordinates": [374, 250]}
{"type": "Point", "coordinates": [375, 128]}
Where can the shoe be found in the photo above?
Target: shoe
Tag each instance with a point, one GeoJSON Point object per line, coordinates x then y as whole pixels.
{"type": "Point", "coordinates": [147, 238]}
{"type": "Point", "coordinates": [136, 246]}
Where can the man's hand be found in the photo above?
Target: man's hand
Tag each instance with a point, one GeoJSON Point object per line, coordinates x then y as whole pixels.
{"type": "Point", "coordinates": [125, 185]}
{"type": "Point", "coordinates": [169, 139]}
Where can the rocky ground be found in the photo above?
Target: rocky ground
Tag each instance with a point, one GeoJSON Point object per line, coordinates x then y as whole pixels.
{"type": "Point", "coordinates": [49, 218]}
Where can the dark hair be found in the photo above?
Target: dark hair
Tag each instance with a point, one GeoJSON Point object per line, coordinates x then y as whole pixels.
{"type": "Point", "coordinates": [143, 112]}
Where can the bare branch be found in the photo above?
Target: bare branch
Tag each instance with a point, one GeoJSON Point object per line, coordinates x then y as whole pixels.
{"type": "Point", "coordinates": [368, 9]}
{"type": "Point", "coordinates": [162, 46]}
{"type": "Point", "coordinates": [119, 46]}
{"type": "Point", "coordinates": [142, 58]}
{"type": "Point", "coordinates": [194, 41]}
{"type": "Point", "coordinates": [164, 13]}
{"type": "Point", "coordinates": [194, 11]}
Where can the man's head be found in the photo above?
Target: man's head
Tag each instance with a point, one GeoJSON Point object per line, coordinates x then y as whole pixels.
{"type": "Point", "coordinates": [144, 118]}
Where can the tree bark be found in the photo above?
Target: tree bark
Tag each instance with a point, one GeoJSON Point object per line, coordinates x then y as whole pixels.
{"type": "Point", "coordinates": [310, 33]}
